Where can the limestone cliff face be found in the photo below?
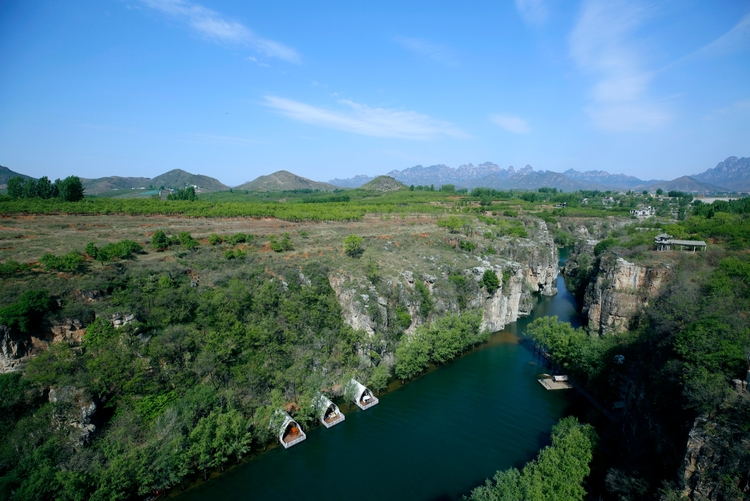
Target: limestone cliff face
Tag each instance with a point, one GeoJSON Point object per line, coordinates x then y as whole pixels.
{"type": "Point", "coordinates": [618, 291]}
{"type": "Point", "coordinates": [711, 449]}
{"type": "Point", "coordinates": [17, 348]}
{"type": "Point", "coordinates": [528, 267]}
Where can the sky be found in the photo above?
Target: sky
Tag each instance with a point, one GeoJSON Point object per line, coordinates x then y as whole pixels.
{"type": "Point", "coordinates": [235, 90]}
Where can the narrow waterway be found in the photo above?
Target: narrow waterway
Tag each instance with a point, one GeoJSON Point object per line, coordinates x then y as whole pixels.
{"type": "Point", "coordinates": [435, 438]}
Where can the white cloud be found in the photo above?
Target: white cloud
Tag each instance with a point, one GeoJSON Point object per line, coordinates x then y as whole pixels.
{"type": "Point", "coordinates": [440, 53]}
{"type": "Point", "coordinates": [214, 26]}
{"type": "Point", "coordinates": [362, 119]}
{"type": "Point", "coordinates": [602, 45]}
{"type": "Point", "coordinates": [511, 123]}
{"type": "Point", "coordinates": [532, 11]}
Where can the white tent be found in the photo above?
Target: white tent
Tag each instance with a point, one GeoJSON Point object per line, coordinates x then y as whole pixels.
{"type": "Point", "coordinates": [328, 412]}
{"type": "Point", "coordinates": [361, 395]}
{"type": "Point", "coordinates": [290, 432]}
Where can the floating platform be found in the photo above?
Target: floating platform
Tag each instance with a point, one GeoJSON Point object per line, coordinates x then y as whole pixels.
{"type": "Point", "coordinates": [328, 413]}
{"type": "Point", "coordinates": [551, 384]}
{"type": "Point", "coordinates": [362, 396]}
{"type": "Point", "coordinates": [290, 432]}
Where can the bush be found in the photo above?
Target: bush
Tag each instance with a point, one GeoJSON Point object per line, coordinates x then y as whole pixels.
{"type": "Point", "coordinates": [451, 223]}
{"type": "Point", "coordinates": [490, 280]}
{"type": "Point", "coordinates": [187, 240]}
{"type": "Point", "coordinates": [602, 246]}
{"type": "Point", "coordinates": [10, 267]}
{"type": "Point", "coordinates": [353, 246]}
{"type": "Point", "coordinates": [67, 262]}
{"type": "Point", "coordinates": [27, 311]}
{"type": "Point", "coordinates": [215, 239]}
{"type": "Point", "coordinates": [159, 241]}
{"type": "Point", "coordinates": [467, 245]}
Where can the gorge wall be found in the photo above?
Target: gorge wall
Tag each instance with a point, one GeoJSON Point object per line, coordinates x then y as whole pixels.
{"type": "Point", "coordinates": [523, 267]}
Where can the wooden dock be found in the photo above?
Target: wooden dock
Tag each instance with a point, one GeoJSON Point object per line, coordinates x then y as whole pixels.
{"type": "Point", "coordinates": [551, 384]}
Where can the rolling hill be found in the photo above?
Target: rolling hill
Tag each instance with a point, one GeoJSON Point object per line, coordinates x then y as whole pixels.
{"type": "Point", "coordinates": [176, 178]}
{"type": "Point", "coordinates": [384, 184]}
{"type": "Point", "coordinates": [283, 181]}
{"type": "Point", "coordinates": [6, 173]}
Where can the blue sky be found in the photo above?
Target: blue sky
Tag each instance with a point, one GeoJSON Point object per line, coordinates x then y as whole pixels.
{"type": "Point", "coordinates": [235, 90]}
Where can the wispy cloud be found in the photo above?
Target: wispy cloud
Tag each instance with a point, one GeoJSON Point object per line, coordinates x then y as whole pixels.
{"type": "Point", "coordinates": [734, 40]}
{"type": "Point", "coordinates": [738, 38]}
{"type": "Point", "coordinates": [440, 53]}
{"type": "Point", "coordinates": [742, 107]}
{"type": "Point", "coordinates": [214, 26]}
{"type": "Point", "coordinates": [532, 11]}
{"type": "Point", "coordinates": [602, 45]}
{"type": "Point", "coordinates": [362, 119]}
{"type": "Point", "coordinates": [511, 123]}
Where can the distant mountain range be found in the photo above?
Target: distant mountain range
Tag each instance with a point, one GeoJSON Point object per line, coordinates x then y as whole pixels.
{"type": "Point", "coordinates": [491, 175]}
{"type": "Point", "coordinates": [731, 175]}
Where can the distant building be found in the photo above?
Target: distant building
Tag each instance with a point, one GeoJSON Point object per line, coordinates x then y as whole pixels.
{"type": "Point", "coordinates": [665, 242]}
{"type": "Point", "coordinates": [643, 212]}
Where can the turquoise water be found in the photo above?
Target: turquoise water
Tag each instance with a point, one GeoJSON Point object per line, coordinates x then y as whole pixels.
{"type": "Point", "coordinates": [435, 438]}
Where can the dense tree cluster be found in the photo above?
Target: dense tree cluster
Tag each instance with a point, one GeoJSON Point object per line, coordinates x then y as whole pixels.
{"type": "Point", "coordinates": [439, 342]}
{"type": "Point", "coordinates": [69, 189]}
{"type": "Point", "coordinates": [188, 387]}
{"type": "Point", "coordinates": [557, 474]}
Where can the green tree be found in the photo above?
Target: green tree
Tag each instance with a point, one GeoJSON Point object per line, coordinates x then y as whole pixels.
{"type": "Point", "coordinates": [71, 189]}
{"type": "Point", "coordinates": [379, 378]}
{"type": "Point", "coordinates": [15, 187]}
{"type": "Point", "coordinates": [452, 223]}
{"type": "Point", "coordinates": [30, 189]}
{"type": "Point", "coordinates": [353, 246]}
{"type": "Point", "coordinates": [490, 281]}
{"type": "Point", "coordinates": [27, 311]}
{"type": "Point", "coordinates": [159, 240]}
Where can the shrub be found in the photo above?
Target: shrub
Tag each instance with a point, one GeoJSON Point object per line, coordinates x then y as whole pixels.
{"type": "Point", "coordinates": [67, 262]}
{"type": "Point", "coordinates": [27, 311]}
{"type": "Point", "coordinates": [215, 239]}
{"type": "Point", "coordinates": [490, 280]}
{"type": "Point", "coordinates": [10, 267]}
{"type": "Point", "coordinates": [353, 246]}
{"type": "Point", "coordinates": [159, 241]}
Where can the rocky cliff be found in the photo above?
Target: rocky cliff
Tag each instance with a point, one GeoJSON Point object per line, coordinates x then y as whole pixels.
{"type": "Point", "coordinates": [523, 267]}
{"type": "Point", "coordinates": [717, 459]}
{"type": "Point", "coordinates": [17, 348]}
{"type": "Point", "coordinates": [618, 291]}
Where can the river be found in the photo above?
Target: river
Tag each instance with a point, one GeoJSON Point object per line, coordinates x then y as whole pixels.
{"type": "Point", "coordinates": [433, 439]}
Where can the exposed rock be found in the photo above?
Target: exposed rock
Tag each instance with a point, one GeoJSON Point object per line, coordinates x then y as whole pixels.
{"type": "Point", "coordinates": [712, 448]}
{"type": "Point", "coordinates": [73, 409]}
{"type": "Point", "coordinates": [121, 319]}
{"type": "Point", "coordinates": [534, 269]}
{"type": "Point", "coordinates": [92, 295]}
{"type": "Point", "coordinates": [14, 350]}
{"type": "Point", "coordinates": [70, 330]}
{"type": "Point", "coordinates": [619, 291]}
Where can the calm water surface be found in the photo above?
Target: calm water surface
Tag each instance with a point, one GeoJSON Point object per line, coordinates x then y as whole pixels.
{"type": "Point", "coordinates": [435, 438]}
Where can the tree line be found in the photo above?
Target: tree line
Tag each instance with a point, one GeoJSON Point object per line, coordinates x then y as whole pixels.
{"type": "Point", "coordinates": [69, 189]}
